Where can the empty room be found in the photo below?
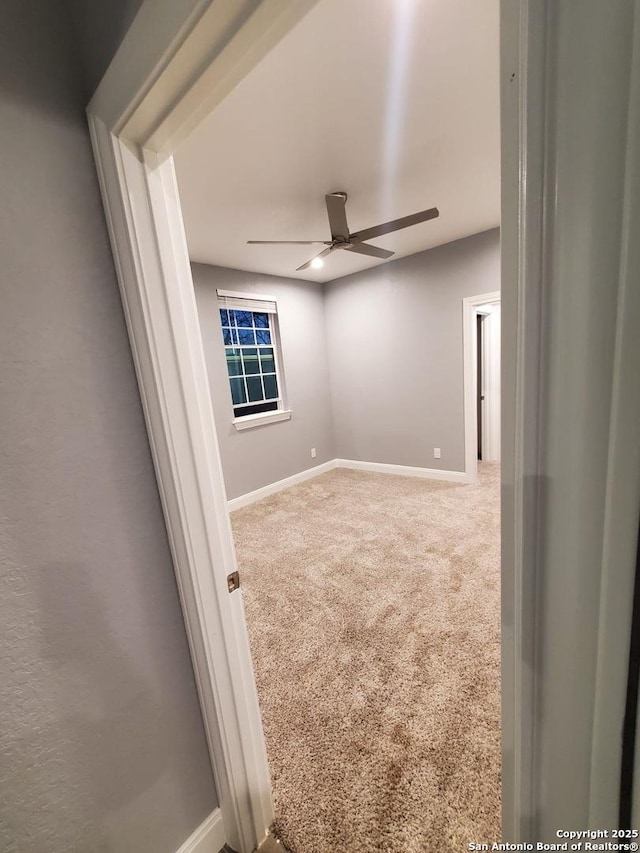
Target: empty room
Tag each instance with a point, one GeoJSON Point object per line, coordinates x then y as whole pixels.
{"type": "Point", "coordinates": [341, 209]}
{"type": "Point", "coordinates": [249, 493]}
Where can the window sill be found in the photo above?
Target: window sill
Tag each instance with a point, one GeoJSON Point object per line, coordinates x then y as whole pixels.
{"type": "Point", "coordinates": [251, 421]}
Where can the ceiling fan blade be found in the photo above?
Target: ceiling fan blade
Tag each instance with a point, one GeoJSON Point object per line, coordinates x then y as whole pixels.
{"type": "Point", "coordinates": [289, 242]}
{"type": "Point", "coordinates": [321, 255]}
{"type": "Point", "coordinates": [395, 224]}
{"type": "Point", "coordinates": [366, 249]}
{"type": "Point", "coordinates": [337, 215]}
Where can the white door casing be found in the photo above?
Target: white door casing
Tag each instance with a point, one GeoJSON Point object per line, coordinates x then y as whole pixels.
{"type": "Point", "coordinates": [175, 63]}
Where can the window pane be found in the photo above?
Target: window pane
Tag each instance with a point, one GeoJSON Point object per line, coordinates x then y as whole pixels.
{"type": "Point", "coordinates": [251, 362]}
{"type": "Point", "coordinates": [270, 387]}
{"type": "Point", "coordinates": [254, 386]}
{"type": "Point", "coordinates": [250, 359]}
{"type": "Point", "coordinates": [267, 360]}
{"type": "Point", "coordinates": [234, 363]}
{"type": "Point", "coordinates": [243, 318]}
{"type": "Point", "coordinates": [237, 391]}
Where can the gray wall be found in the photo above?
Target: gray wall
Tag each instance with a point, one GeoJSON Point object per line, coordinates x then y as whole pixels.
{"type": "Point", "coordinates": [256, 457]}
{"type": "Point", "coordinates": [101, 738]}
{"type": "Point", "coordinates": [99, 28]}
{"type": "Point", "coordinates": [372, 362]}
{"type": "Point", "coordinates": [395, 353]}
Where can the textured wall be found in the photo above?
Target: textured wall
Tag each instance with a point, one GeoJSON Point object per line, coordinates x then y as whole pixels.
{"type": "Point", "coordinates": [256, 457]}
{"type": "Point", "coordinates": [395, 353]}
{"type": "Point", "coordinates": [99, 28]}
{"type": "Point", "coordinates": [101, 738]}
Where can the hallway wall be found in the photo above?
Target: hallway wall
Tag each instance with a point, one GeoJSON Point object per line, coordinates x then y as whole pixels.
{"type": "Point", "coordinates": [102, 746]}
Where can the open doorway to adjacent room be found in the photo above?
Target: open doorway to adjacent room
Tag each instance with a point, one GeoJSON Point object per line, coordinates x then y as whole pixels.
{"type": "Point", "coordinates": [364, 536]}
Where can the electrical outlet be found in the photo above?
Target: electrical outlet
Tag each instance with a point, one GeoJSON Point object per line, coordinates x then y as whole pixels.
{"type": "Point", "coordinates": [313, 453]}
{"type": "Point", "coordinates": [436, 453]}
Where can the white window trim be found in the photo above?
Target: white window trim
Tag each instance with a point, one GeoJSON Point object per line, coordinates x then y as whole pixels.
{"type": "Point", "coordinates": [236, 294]}
{"type": "Point", "coordinates": [282, 413]}
{"type": "Point", "coordinates": [262, 418]}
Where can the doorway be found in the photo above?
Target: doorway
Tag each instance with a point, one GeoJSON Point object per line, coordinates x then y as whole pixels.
{"type": "Point", "coordinates": [212, 523]}
{"type": "Point", "coordinates": [350, 663]}
{"type": "Point", "coordinates": [268, 317]}
{"type": "Point", "coordinates": [138, 116]}
{"type": "Point", "coordinates": [481, 334]}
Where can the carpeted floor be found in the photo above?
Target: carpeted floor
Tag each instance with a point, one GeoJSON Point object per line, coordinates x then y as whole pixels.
{"type": "Point", "coordinates": [373, 610]}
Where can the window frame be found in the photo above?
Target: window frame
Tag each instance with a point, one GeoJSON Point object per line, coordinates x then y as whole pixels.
{"type": "Point", "coordinates": [281, 412]}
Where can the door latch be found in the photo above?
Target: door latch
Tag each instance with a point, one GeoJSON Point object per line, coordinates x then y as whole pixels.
{"type": "Point", "coordinates": [233, 581]}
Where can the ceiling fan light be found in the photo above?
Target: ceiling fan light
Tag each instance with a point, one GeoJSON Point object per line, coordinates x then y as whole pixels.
{"type": "Point", "coordinates": [316, 263]}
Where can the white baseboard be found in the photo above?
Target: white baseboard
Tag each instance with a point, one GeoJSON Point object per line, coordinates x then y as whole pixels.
{"type": "Point", "coordinates": [209, 837]}
{"type": "Point", "coordinates": [405, 470]}
{"type": "Point", "coordinates": [376, 467]}
{"type": "Point", "coordinates": [279, 485]}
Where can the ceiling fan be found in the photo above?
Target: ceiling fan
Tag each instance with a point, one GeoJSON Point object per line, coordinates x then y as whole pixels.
{"type": "Point", "coordinates": [342, 239]}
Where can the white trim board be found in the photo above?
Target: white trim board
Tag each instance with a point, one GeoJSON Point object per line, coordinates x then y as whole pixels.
{"type": "Point", "coordinates": [460, 477]}
{"type": "Point", "coordinates": [209, 837]}
{"type": "Point", "coordinates": [262, 419]}
{"type": "Point", "coordinates": [279, 485]}
{"type": "Point", "coordinates": [237, 294]}
{"type": "Point", "coordinates": [354, 464]}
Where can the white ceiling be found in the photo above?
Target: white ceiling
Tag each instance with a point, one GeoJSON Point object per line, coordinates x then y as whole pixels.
{"type": "Point", "coordinates": [396, 102]}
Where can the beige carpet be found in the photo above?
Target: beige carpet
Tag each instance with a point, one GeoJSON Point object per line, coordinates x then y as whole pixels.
{"type": "Point", "coordinates": [373, 611]}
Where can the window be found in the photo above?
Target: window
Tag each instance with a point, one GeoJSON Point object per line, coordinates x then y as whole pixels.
{"type": "Point", "coordinates": [250, 345]}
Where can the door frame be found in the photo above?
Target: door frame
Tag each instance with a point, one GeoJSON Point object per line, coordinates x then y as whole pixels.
{"type": "Point", "coordinates": [469, 342]}
{"type": "Point", "coordinates": [175, 64]}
